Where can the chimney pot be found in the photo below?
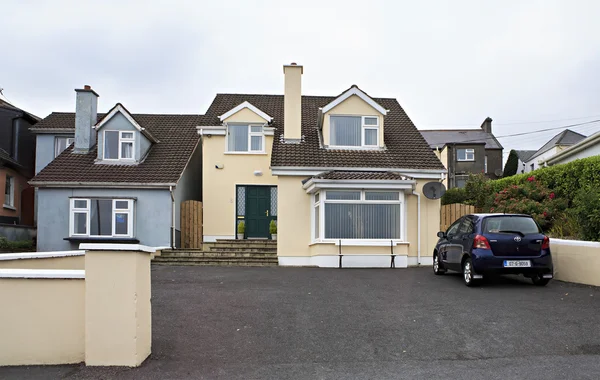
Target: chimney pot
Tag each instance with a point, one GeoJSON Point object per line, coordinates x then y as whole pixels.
{"type": "Point", "coordinates": [87, 87]}
{"type": "Point", "coordinates": [294, 64]}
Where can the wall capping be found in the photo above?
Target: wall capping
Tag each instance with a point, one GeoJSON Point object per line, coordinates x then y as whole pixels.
{"type": "Point", "coordinates": [116, 247]}
{"type": "Point", "coordinates": [43, 273]}
{"type": "Point", "coordinates": [39, 255]}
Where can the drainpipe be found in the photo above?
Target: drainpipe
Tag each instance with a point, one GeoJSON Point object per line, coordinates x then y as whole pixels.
{"type": "Point", "coordinates": [172, 217]}
{"type": "Point", "coordinates": [418, 226]}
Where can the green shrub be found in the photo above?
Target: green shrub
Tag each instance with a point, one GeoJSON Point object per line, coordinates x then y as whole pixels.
{"type": "Point", "coordinates": [241, 227]}
{"type": "Point", "coordinates": [455, 195]}
{"type": "Point", "coordinates": [586, 210]}
{"type": "Point", "coordinates": [272, 227]}
{"type": "Point", "coordinates": [479, 191]}
{"type": "Point", "coordinates": [6, 244]}
{"type": "Point", "coordinates": [512, 164]}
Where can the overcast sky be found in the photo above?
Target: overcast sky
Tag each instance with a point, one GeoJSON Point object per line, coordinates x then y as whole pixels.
{"type": "Point", "coordinates": [449, 63]}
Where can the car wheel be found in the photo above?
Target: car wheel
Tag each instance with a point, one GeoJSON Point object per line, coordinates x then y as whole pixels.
{"type": "Point", "coordinates": [539, 280]}
{"type": "Point", "coordinates": [437, 265]}
{"type": "Point", "coordinates": [468, 273]}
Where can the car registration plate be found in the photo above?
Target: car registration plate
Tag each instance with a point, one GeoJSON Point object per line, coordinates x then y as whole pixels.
{"type": "Point", "coordinates": [517, 264]}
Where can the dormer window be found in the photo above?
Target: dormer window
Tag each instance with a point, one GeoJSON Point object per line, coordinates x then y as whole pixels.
{"type": "Point", "coordinates": [246, 138]}
{"type": "Point", "coordinates": [354, 131]}
{"type": "Point", "coordinates": [118, 145]}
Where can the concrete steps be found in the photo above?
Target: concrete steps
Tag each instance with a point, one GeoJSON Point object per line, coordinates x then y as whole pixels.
{"type": "Point", "coordinates": [223, 253]}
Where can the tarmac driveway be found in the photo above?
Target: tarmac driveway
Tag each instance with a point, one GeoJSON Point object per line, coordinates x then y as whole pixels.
{"type": "Point", "coordinates": [301, 323]}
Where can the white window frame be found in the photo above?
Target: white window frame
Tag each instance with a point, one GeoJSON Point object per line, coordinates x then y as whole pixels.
{"type": "Point", "coordinates": [250, 134]}
{"type": "Point", "coordinates": [468, 151]}
{"type": "Point", "coordinates": [322, 194]}
{"type": "Point", "coordinates": [485, 164]}
{"type": "Point", "coordinates": [10, 202]}
{"type": "Point", "coordinates": [119, 150]}
{"type": "Point", "coordinates": [87, 210]}
{"type": "Point", "coordinates": [69, 141]}
{"type": "Point", "coordinates": [363, 132]}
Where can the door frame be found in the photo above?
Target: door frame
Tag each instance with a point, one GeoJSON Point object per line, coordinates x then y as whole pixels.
{"type": "Point", "coordinates": [237, 217]}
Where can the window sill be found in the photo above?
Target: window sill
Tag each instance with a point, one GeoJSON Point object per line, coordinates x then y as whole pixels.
{"type": "Point", "coordinates": [248, 153]}
{"type": "Point", "coordinates": [335, 147]}
{"type": "Point", "coordinates": [9, 207]}
{"type": "Point", "coordinates": [108, 239]}
{"type": "Point", "coordinates": [362, 242]}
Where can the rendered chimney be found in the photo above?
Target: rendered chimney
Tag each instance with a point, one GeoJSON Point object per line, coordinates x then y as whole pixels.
{"type": "Point", "coordinates": [86, 116]}
{"type": "Point", "coordinates": [292, 103]}
{"type": "Point", "coordinates": [487, 125]}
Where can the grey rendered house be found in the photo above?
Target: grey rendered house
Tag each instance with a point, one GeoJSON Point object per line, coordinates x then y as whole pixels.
{"type": "Point", "coordinates": [117, 177]}
{"type": "Point", "coordinates": [466, 151]}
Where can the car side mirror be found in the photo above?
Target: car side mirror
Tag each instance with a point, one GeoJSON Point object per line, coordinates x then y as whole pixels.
{"type": "Point", "coordinates": [441, 234]}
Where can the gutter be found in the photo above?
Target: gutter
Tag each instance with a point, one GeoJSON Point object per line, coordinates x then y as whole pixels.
{"type": "Point", "coordinates": [418, 226]}
{"type": "Point", "coordinates": [102, 185]}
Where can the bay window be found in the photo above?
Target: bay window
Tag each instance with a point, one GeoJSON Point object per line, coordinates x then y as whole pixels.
{"type": "Point", "coordinates": [358, 214]}
{"type": "Point", "coordinates": [119, 145]}
{"type": "Point", "coordinates": [100, 217]}
{"type": "Point", "coordinates": [245, 138]}
{"type": "Point", "coordinates": [354, 131]}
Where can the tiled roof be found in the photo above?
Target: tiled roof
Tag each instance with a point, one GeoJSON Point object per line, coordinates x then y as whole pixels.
{"type": "Point", "coordinates": [6, 158]}
{"type": "Point", "coordinates": [5, 104]}
{"type": "Point", "coordinates": [565, 138]}
{"type": "Point", "coordinates": [405, 147]}
{"type": "Point", "coordinates": [525, 155]}
{"type": "Point", "coordinates": [439, 138]}
{"type": "Point", "coordinates": [358, 175]}
{"type": "Point", "coordinates": [164, 163]}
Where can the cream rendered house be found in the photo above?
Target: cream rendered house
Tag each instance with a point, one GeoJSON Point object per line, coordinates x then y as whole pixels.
{"type": "Point", "coordinates": [339, 175]}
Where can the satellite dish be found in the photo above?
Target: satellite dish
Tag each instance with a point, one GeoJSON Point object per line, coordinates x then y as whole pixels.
{"type": "Point", "coordinates": [434, 190]}
{"type": "Point", "coordinates": [498, 172]}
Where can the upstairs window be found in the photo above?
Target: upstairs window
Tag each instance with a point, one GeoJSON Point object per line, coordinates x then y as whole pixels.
{"type": "Point", "coordinates": [118, 145]}
{"type": "Point", "coordinates": [245, 138]}
{"type": "Point", "coordinates": [354, 131]}
{"type": "Point", "coordinates": [9, 192]}
{"type": "Point", "coordinates": [465, 154]}
{"type": "Point", "coordinates": [61, 143]}
{"type": "Point", "coordinates": [98, 217]}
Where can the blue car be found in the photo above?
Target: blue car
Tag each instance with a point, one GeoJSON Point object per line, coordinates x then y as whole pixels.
{"type": "Point", "coordinates": [481, 244]}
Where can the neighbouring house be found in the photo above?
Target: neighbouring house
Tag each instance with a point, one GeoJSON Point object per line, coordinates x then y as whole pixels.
{"type": "Point", "coordinates": [524, 156]}
{"type": "Point", "coordinates": [588, 147]}
{"type": "Point", "coordinates": [555, 145]}
{"type": "Point", "coordinates": [466, 151]}
{"type": "Point", "coordinates": [17, 156]}
{"type": "Point", "coordinates": [338, 174]}
{"type": "Point", "coordinates": [117, 176]}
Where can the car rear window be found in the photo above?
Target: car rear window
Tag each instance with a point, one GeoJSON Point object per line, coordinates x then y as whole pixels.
{"type": "Point", "coordinates": [523, 224]}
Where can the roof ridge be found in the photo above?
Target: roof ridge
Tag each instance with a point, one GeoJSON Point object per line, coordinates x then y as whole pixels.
{"type": "Point", "coordinates": [304, 96]}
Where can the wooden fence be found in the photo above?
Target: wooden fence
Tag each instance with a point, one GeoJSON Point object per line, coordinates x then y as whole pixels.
{"type": "Point", "coordinates": [191, 224]}
{"type": "Point", "coordinates": [449, 214]}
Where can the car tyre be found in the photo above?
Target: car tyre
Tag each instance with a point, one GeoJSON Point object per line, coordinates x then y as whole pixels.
{"type": "Point", "coordinates": [438, 269]}
{"type": "Point", "coordinates": [468, 273]}
{"type": "Point", "coordinates": [538, 280]}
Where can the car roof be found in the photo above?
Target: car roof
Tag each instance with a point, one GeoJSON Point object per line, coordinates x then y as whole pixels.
{"type": "Point", "coordinates": [484, 215]}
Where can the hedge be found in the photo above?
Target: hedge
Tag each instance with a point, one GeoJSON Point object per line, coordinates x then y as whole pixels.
{"type": "Point", "coordinates": [6, 244]}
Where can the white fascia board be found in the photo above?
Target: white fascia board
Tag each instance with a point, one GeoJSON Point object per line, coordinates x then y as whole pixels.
{"type": "Point", "coordinates": [217, 130]}
{"type": "Point", "coordinates": [116, 247]}
{"type": "Point", "coordinates": [317, 184]}
{"type": "Point", "coordinates": [39, 255]}
{"type": "Point", "coordinates": [307, 171]}
{"type": "Point", "coordinates": [240, 107]}
{"type": "Point", "coordinates": [123, 111]}
{"type": "Point", "coordinates": [269, 131]}
{"type": "Point", "coordinates": [354, 91]}
{"type": "Point", "coordinates": [43, 273]}
{"type": "Point", "coordinates": [576, 148]}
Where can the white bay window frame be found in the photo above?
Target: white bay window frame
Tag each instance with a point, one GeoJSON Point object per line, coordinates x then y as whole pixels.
{"type": "Point", "coordinates": [251, 134]}
{"type": "Point", "coordinates": [364, 128]}
{"type": "Point", "coordinates": [129, 211]}
{"type": "Point", "coordinates": [319, 201]}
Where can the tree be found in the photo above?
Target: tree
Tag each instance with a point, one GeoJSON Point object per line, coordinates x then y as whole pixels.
{"type": "Point", "coordinates": [512, 164]}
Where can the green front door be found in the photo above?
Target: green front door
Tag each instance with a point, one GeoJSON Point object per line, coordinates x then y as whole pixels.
{"type": "Point", "coordinates": [258, 211]}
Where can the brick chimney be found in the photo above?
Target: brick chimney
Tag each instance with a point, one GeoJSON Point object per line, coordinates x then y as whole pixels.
{"type": "Point", "coordinates": [487, 125]}
{"type": "Point", "coordinates": [86, 116]}
{"type": "Point", "coordinates": [292, 103]}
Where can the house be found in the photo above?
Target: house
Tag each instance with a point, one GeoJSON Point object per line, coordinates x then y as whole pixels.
{"type": "Point", "coordinates": [466, 151]}
{"type": "Point", "coordinates": [555, 145]}
{"type": "Point", "coordinates": [17, 155]}
{"type": "Point", "coordinates": [524, 156]}
{"type": "Point", "coordinates": [121, 179]}
{"type": "Point", "coordinates": [588, 147]}
{"type": "Point", "coordinates": [338, 174]}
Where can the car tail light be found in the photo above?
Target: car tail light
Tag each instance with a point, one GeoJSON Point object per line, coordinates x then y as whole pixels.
{"type": "Point", "coordinates": [481, 242]}
{"type": "Point", "coordinates": [546, 243]}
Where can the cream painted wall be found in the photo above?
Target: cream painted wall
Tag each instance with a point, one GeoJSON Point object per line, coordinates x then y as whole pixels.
{"type": "Point", "coordinates": [42, 321]}
{"type": "Point", "coordinates": [352, 106]}
{"type": "Point", "coordinates": [218, 193]}
{"type": "Point", "coordinates": [443, 156]}
{"type": "Point", "coordinates": [66, 262]}
{"type": "Point", "coordinates": [294, 223]}
{"type": "Point", "coordinates": [576, 261]}
{"type": "Point", "coordinates": [292, 116]}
